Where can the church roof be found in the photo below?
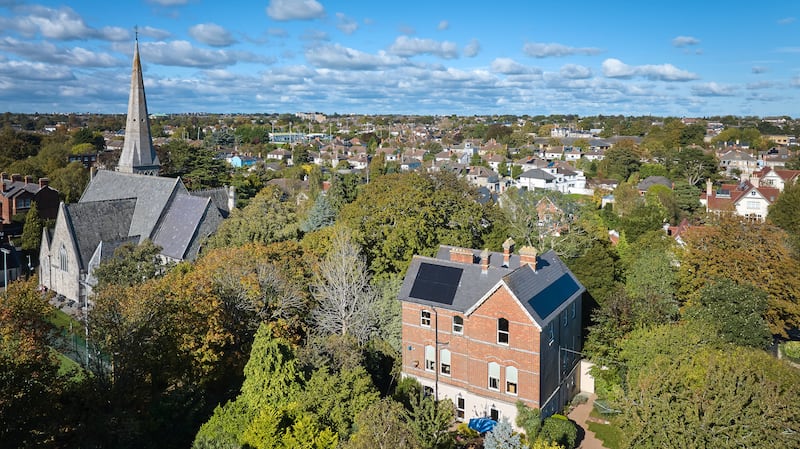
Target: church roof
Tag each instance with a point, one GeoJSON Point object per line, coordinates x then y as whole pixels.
{"type": "Point", "coordinates": [180, 224]}
{"type": "Point", "coordinates": [153, 193]}
{"type": "Point", "coordinates": [96, 221]}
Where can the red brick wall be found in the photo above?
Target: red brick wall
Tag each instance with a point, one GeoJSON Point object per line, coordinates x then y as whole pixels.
{"type": "Point", "coordinates": [472, 351]}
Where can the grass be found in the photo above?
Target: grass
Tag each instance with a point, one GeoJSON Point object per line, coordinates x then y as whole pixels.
{"type": "Point", "coordinates": [609, 434]}
{"type": "Point", "coordinates": [67, 365]}
{"type": "Point", "coordinates": [62, 321]}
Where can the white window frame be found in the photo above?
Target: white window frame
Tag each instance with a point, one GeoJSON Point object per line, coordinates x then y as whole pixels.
{"type": "Point", "coordinates": [494, 376]}
{"type": "Point", "coordinates": [430, 358]}
{"type": "Point", "coordinates": [461, 406]}
{"type": "Point", "coordinates": [512, 379]}
{"type": "Point", "coordinates": [503, 333]}
{"type": "Point", "coordinates": [458, 328]}
{"type": "Point", "coordinates": [444, 362]}
{"type": "Point", "coordinates": [425, 318]}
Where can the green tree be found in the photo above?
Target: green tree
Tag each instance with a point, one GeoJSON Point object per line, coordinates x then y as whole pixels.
{"type": "Point", "coordinates": [502, 437]}
{"type": "Point", "coordinates": [32, 230]}
{"type": "Point", "coordinates": [70, 181]}
{"type": "Point", "coordinates": [131, 265]}
{"type": "Point", "coordinates": [785, 213]}
{"type": "Point", "coordinates": [621, 162]}
{"type": "Point", "coordinates": [268, 218]}
{"type": "Point", "coordinates": [558, 429]}
{"type": "Point", "coordinates": [735, 311]}
{"type": "Point", "coordinates": [430, 421]}
{"type": "Point", "coordinates": [381, 426]}
{"type": "Point", "coordinates": [322, 214]}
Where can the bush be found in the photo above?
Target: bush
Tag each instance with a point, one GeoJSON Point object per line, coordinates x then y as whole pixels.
{"type": "Point", "coordinates": [558, 429]}
{"type": "Point", "coordinates": [791, 349]}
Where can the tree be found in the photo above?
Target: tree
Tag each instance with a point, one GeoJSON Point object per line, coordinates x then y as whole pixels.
{"type": "Point", "coordinates": [32, 230]}
{"type": "Point", "coordinates": [381, 426]}
{"type": "Point", "coordinates": [502, 437]}
{"type": "Point", "coordinates": [622, 161]}
{"type": "Point", "coordinates": [735, 311]}
{"type": "Point", "coordinates": [748, 253]}
{"type": "Point", "coordinates": [558, 429]}
{"type": "Point", "coordinates": [785, 213]}
{"type": "Point", "coordinates": [430, 421]}
{"type": "Point", "coordinates": [268, 218]}
{"type": "Point", "coordinates": [684, 391]}
{"type": "Point", "coordinates": [322, 214]}
{"type": "Point", "coordinates": [70, 181]}
{"type": "Point", "coordinates": [131, 265]}
{"type": "Point", "coordinates": [345, 299]}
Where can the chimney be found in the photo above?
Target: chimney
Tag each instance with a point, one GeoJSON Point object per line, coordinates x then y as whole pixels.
{"type": "Point", "coordinates": [508, 248]}
{"type": "Point", "coordinates": [44, 182]}
{"type": "Point", "coordinates": [16, 177]}
{"type": "Point", "coordinates": [709, 188]}
{"type": "Point", "coordinates": [485, 261]}
{"type": "Point", "coordinates": [4, 176]}
{"type": "Point", "coordinates": [28, 179]}
{"type": "Point", "coordinates": [461, 255]}
{"type": "Point", "coordinates": [231, 198]}
{"type": "Point", "coordinates": [754, 180]}
{"type": "Point", "coordinates": [527, 255]}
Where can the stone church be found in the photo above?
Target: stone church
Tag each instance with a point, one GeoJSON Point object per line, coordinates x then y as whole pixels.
{"type": "Point", "coordinates": [128, 205]}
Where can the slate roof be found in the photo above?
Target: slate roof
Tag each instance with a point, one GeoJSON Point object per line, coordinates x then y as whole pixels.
{"type": "Point", "coordinates": [179, 224]}
{"type": "Point", "coordinates": [96, 221]}
{"type": "Point", "coordinates": [218, 196]}
{"type": "Point", "coordinates": [650, 181]}
{"type": "Point", "coordinates": [536, 173]}
{"type": "Point", "coordinates": [14, 188]}
{"type": "Point", "coordinates": [154, 191]}
{"type": "Point", "coordinates": [542, 292]}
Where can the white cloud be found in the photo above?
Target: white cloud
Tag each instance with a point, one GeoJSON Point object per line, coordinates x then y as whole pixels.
{"type": "Point", "coordinates": [786, 21]}
{"type": "Point", "coordinates": [795, 82]}
{"type": "Point", "coordinates": [345, 24]}
{"type": "Point", "coordinates": [713, 89]}
{"type": "Point", "coordinates": [472, 48]}
{"type": "Point", "coordinates": [36, 71]}
{"type": "Point", "coordinates": [211, 34]}
{"type": "Point", "coordinates": [684, 41]}
{"type": "Point", "coordinates": [412, 46]}
{"type": "Point", "coordinates": [508, 66]}
{"type": "Point", "coordinates": [282, 10]}
{"type": "Point", "coordinates": [575, 71]}
{"type": "Point", "coordinates": [339, 57]}
{"type": "Point", "coordinates": [277, 32]}
{"type": "Point", "coordinates": [541, 50]}
{"type": "Point", "coordinates": [443, 25]}
{"type": "Point", "coordinates": [614, 68]}
{"type": "Point", "coordinates": [760, 85]}
{"type": "Point", "coordinates": [155, 33]}
{"type": "Point", "coordinates": [49, 53]}
{"type": "Point", "coordinates": [183, 54]}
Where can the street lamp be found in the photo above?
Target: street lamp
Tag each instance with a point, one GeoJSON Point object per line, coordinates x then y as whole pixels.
{"type": "Point", "coordinates": [6, 252]}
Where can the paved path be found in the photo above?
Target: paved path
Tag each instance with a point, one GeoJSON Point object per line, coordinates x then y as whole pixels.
{"type": "Point", "coordinates": [580, 415]}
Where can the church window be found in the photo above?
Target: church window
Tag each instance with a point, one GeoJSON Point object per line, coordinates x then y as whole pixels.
{"type": "Point", "coordinates": [63, 259]}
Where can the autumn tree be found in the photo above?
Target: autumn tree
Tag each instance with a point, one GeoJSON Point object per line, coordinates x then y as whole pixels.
{"type": "Point", "coordinates": [785, 213]}
{"type": "Point", "coordinates": [747, 253]}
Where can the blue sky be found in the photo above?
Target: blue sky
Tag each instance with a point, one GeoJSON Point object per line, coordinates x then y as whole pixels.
{"type": "Point", "coordinates": [677, 58]}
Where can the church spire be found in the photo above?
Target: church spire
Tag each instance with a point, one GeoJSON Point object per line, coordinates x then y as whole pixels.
{"type": "Point", "coordinates": [138, 154]}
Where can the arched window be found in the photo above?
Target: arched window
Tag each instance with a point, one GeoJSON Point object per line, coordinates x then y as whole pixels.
{"type": "Point", "coordinates": [458, 325]}
{"type": "Point", "coordinates": [444, 361]}
{"type": "Point", "coordinates": [502, 331]}
{"type": "Point", "coordinates": [511, 380]}
{"type": "Point", "coordinates": [494, 376]}
{"type": "Point", "coordinates": [63, 260]}
{"type": "Point", "coordinates": [430, 358]}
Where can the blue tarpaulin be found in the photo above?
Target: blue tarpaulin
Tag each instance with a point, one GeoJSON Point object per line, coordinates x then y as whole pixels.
{"type": "Point", "coordinates": [482, 425]}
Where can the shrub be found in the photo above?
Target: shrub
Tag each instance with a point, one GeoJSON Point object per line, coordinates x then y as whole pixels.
{"type": "Point", "coordinates": [791, 349]}
{"type": "Point", "coordinates": [558, 429]}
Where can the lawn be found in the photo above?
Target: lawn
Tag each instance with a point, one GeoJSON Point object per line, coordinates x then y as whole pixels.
{"type": "Point", "coordinates": [609, 434]}
{"type": "Point", "coordinates": [62, 321]}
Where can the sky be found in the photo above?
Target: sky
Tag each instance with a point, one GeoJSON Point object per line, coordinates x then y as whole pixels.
{"type": "Point", "coordinates": [677, 58]}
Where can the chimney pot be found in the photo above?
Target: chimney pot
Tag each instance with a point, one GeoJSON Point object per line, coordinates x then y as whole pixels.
{"type": "Point", "coordinates": [508, 248]}
{"type": "Point", "coordinates": [709, 188]}
{"type": "Point", "coordinates": [485, 261]}
{"type": "Point", "coordinates": [461, 255]}
{"type": "Point", "coordinates": [527, 255]}
{"type": "Point", "coordinates": [28, 179]}
{"type": "Point", "coordinates": [4, 176]}
{"type": "Point", "coordinates": [16, 177]}
{"type": "Point", "coordinates": [44, 182]}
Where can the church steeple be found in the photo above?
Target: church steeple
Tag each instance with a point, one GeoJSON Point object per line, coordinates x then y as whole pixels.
{"type": "Point", "coordinates": [138, 154]}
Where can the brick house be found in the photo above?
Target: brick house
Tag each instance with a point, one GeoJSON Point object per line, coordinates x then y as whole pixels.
{"type": "Point", "coordinates": [19, 193]}
{"type": "Point", "coordinates": [488, 329]}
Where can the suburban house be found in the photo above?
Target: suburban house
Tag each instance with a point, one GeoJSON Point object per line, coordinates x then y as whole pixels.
{"type": "Point", "coordinates": [128, 205]}
{"type": "Point", "coordinates": [553, 177]}
{"type": "Point", "coordinates": [487, 329]}
{"type": "Point", "coordinates": [747, 199]}
{"type": "Point", "coordinates": [771, 177]}
{"type": "Point", "coordinates": [18, 193]}
{"type": "Point", "coordinates": [737, 162]}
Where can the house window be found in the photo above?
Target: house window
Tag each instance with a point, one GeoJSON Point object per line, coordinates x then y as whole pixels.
{"type": "Point", "coordinates": [494, 376]}
{"type": "Point", "coordinates": [494, 414]}
{"type": "Point", "coordinates": [425, 318]}
{"type": "Point", "coordinates": [502, 331]}
{"type": "Point", "coordinates": [23, 203]}
{"type": "Point", "coordinates": [511, 380]}
{"type": "Point", "coordinates": [430, 358]}
{"type": "Point", "coordinates": [444, 361]}
{"type": "Point", "coordinates": [460, 407]}
{"type": "Point", "coordinates": [458, 325]}
{"type": "Point", "coordinates": [63, 261]}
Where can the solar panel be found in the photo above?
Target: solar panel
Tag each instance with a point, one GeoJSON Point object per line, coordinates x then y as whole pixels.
{"type": "Point", "coordinates": [548, 300]}
{"type": "Point", "coordinates": [436, 283]}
